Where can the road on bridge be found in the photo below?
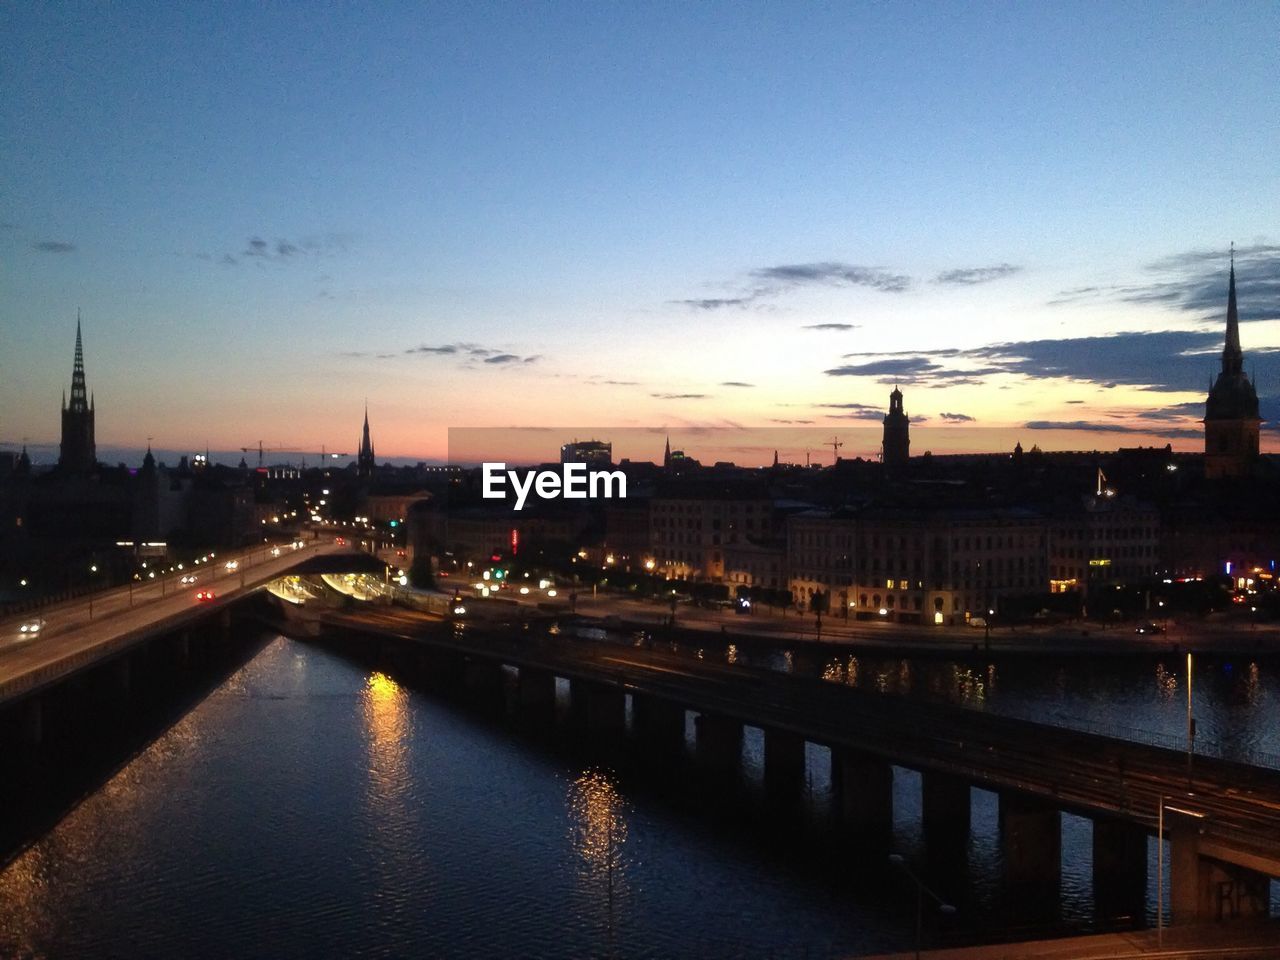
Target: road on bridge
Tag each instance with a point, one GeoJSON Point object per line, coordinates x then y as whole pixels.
{"type": "Point", "coordinates": [83, 631]}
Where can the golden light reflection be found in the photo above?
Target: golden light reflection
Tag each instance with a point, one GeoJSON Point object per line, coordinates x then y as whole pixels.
{"type": "Point", "coordinates": [385, 706]}
{"type": "Point", "coordinates": [970, 688]}
{"type": "Point", "coordinates": [732, 653]}
{"type": "Point", "coordinates": [598, 833]}
{"type": "Point", "coordinates": [1166, 683]}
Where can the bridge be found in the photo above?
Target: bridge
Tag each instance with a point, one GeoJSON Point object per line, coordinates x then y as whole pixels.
{"type": "Point", "coordinates": [103, 628]}
{"type": "Point", "coordinates": [1222, 818]}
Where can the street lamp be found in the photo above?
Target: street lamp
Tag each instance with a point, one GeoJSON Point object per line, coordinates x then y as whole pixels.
{"type": "Point", "coordinates": [944, 908]}
{"type": "Point", "coordinates": [1191, 727]}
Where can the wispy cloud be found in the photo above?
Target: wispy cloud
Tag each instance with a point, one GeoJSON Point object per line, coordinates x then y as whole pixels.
{"type": "Point", "coordinates": [54, 246]}
{"type": "Point", "coordinates": [468, 353]}
{"type": "Point", "coordinates": [833, 274]}
{"type": "Point", "coordinates": [735, 383]}
{"type": "Point", "coordinates": [715, 303]}
{"type": "Point", "coordinates": [916, 369]}
{"type": "Point", "coordinates": [1089, 426]}
{"type": "Point", "coordinates": [896, 366]}
{"type": "Point", "coordinates": [767, 283]}
{"type": "Point", "coordinates": [1170, 360]}
{"type": "Point", "coordinates": [971, 276]}
{"type": "Point", "coordinates": [282, 250]}
{"type": "Point", "coordinates": [680, 396]}
{"type": "Point", "coordinates": [1195, 281]}
{"type": "Point", "coordinates": [830, 326]}
{"type": "Point", "coordinates": [957, 417]}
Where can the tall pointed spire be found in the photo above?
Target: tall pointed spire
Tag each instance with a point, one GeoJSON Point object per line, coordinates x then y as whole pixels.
{"type": "Point", "coordinates": [78, 452]}
{"type": "Point", "coordinates": [666, 454]}
{"type": "Point", "coordinates": [1231, 420]}
{"type": "Point", "coordinates": [1232, 357]}
{"type": "Point", "coordinates": [365, 461]}
{"type": "Point", "coordinates": [79, 392]}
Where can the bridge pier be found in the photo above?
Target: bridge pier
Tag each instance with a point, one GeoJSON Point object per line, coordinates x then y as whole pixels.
{"type": "Point", "coordinates": [718, 744]}
{"type": "Point", "coordinates": [1204, 889]}
{"type": "Point", "coordinates": [659, 724]}
{"type": "Point", "coordinates": [1031, 842]}
{"type": "Point", "coordinates": [121, 673]}
{"type": "Point", "coordinates": [1119, 869]}
{"type": "Point", "coordinates": [783, 767]}
{"type": "Point", "coordinates": [945, 805]}
{"type": "Point", "coordinates": [31, 721]}
{"type": "Point", "coordinates": [536, 695]}
{"type": "Point", "coordinates": [445, 671]}
{"type": "Point", "coordinates": [484, 681]}
{"type": "Point", "coordinates": [599, 708]}
{"type": "Point", "coordinates": [863, 788]}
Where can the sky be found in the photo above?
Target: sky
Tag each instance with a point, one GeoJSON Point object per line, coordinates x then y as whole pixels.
{"type": "Point", "coordinates": [654, 216]}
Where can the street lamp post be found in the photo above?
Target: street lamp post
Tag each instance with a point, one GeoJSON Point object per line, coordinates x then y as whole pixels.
{"type": "Point", "coordinates": [1191, 728]}
{"type": "Point", "coordinates": [898, 860]}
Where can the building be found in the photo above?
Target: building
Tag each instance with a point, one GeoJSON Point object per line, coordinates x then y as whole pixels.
{"type": "Point", "coordinates": [594, 453]}
{"type": "Point", "coordinates": [916, 565]}
{"type": "Point", "coordinates": [1103, 539]}
{"type": "Point", "coordinates": [1231, 421]}
{"type": "Point", "coordinates": [78, 452]}
{"type": "Point", "coordinates": [692, 524]}
{"type": "Point", "coordinates": [896, 446]}
{"type": "Point", "coordinates": [365, 462]}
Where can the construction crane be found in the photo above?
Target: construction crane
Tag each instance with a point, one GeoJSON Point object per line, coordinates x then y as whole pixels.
{"type": "Point", "coordinates": [323, 454]}
{"type": "Point", "coordinates": [835, 445]}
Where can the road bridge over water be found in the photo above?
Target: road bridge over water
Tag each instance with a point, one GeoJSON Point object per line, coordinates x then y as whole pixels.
{"type": "Point", "coordinates": [1223, 822]}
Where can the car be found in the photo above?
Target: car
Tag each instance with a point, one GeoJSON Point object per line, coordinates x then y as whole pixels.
{"type": "Point", "coordinates": [1149, 628]}
{"type": "Point", "coordinates": [977, 623]}
{"type": "Point", "coordinates": [188, 579]}
{"type": "Point", "coordinates": [204, 596]}
{"type": "Point", "coordinates": [30, 629]}
{"type": "Point", "coordinates": [340, 541]}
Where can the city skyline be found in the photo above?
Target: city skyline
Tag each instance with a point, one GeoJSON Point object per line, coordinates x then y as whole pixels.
{"type": "Point", "coordinates": [483, 222]}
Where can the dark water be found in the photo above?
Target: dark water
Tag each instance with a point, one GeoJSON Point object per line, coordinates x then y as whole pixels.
{"type": "Point", "coordinates": [311, 807]}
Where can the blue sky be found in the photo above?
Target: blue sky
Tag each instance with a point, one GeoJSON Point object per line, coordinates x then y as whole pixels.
{"type": "Point", "coordinates": [265, 211]}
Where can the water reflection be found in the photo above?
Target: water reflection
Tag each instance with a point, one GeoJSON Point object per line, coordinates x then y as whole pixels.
{"type": "Point", "coordinates": [597, 823]}
{"type": "Point", "coordinates": [388, 726]}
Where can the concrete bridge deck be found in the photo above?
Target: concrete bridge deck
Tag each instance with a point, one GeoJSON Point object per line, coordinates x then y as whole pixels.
{"type": "Point", "coordinates": [81, 633]}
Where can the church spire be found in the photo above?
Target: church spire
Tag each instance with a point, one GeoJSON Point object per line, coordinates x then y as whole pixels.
{"type": "Point", "coordinates": [666, 455]}
{"type": "Point", "coordinates": [77, 452]}
{"type": "Point", "coordinates": [1232, 357]}
{"type": "Point", "coordinates": [79, 392]}
{"type": "Point", "coordinates": [365, 461]}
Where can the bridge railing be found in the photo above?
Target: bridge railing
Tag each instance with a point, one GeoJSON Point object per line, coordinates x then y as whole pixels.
{"type": "Point", "coordinates": [1240, 753]}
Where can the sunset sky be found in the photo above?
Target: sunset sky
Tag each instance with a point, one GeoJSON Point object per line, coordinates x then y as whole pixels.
{"type": "Point", "coordinates": [668, 216]}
